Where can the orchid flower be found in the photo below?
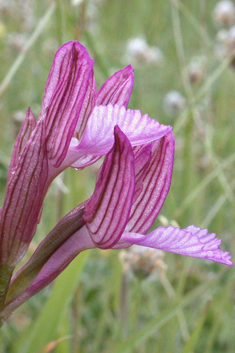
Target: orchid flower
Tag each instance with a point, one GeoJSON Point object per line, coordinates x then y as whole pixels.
{"type": "Point", "coordinates": [61, 137]}
{"type": "Point", "coordinates": [78, 125]}
{"type": "Point", "coordinates": [132, 185]}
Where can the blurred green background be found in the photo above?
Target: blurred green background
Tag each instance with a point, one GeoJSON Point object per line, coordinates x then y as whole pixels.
{"type": "Point", "coordinates": [183, 305]}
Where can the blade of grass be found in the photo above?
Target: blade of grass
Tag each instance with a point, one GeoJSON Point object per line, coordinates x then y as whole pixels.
{"type": "Point", "coordinates": [181, 318]}
{"type": "Point", "coordinates": [65, 333]}
{"type": "Point", "coordinates": [223, 304]}
{"type": "Point", "coordinates": [194, 22]}
{"type": "Point", "coordinates": [32, 39]}
{"type": "Point", "coordinates": [216, 208]}
{"type": "Point", "coordinates": [155, 324]}
{"type": "Point", "coordinates": [192, 342]}
{"type": "Point", "coordinates": [203, 90]}
{"type": "Point", "coordinates": [197, 190]}
{"type": "Point", "coordinates": [216, 164]}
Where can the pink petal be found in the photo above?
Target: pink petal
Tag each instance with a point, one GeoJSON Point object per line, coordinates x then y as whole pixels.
{"type": "Point", "coordinates": [107, 211]}
{"type": "Point", "coordinates": [142, 159]}
{"type": "Point", "coordinates": [191, 241]}
{"type": "Point", "coordinates": [87, 107]}
{"type": "Point", "coordinates": [117, 89]}
{"type": "Point", "coordinates": [65, 92]}
{"type": "Point", "coordinates": [24, 198]}
{"type": "Point", "coordinates": [138, 129]}
{"type": "Point", "coordinates": [155, 180]}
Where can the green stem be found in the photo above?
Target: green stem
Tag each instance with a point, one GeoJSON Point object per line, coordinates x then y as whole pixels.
{"type": "Point", "coordinates": [5, 278]}
{"type": "Point", "coordinates": [61, 22]}
{"type": "Point", "coordinates": [124, 306]}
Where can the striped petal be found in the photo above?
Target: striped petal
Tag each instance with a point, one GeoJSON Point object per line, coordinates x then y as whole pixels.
{"type": "Point", "coordinates": [142, 159]}
{"type": "Point", "coordinates": [22, 138]}
{"type": "Point", "coordinates": [191, 241]}
{"type": "Point", "coordinates": [87, 107]}
{"type": "Point", "coordinates": [117, 89]}
{"type": "Point", "coordinates": [63, 99]}
{"type": "Point", "coordinates": [155, 183]}
{"type": "Point", "coordinates": [107, 211]}
{"type": "Point", "coordinates": [24, 198]}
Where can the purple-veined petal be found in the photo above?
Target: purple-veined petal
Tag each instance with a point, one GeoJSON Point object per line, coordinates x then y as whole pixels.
{"type": "Point", "coordinates": [98, 136]}
{"type": "Point", "coordinates": [117, 89]}
{"type": "Point", "coordinates": [107, 211]}
{"type": "Point", "coordinates": [191, 241]}
{"type": "Point", "coordinates": [142, 160]}
{"type": "Point", "coordinates": [155, 186]}
{"type": "Point", "coordinates": [63, 99]}
{"type": "Point", "coordinates": [24, 198]}
{"type": "Point", "coordinates": [60, 259]}
{"type": "Point", "coordinates": [22, 138]}
{"type": "Point", "coordinates": [87, 107]}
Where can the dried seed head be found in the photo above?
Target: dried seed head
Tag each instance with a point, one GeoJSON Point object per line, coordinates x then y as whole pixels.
{"type": "Point", "coordinates": [138, 52]}
{"type": "Point", "coordinates": [173, 103]}
{"type": "Point", "coordinates": [142, 261]}
{"type": "Point", "coordinates": [230, 42]}
{"type": "Point", "coordinates": [225, 47]}
{"type": "Point", "coordinates": [195, 72]}
{"type": "Point", "coordinates": [224, 13]}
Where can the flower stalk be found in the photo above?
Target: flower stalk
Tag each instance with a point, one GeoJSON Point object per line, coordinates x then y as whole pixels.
{"type": "Point", "coordinates": [5, 278]}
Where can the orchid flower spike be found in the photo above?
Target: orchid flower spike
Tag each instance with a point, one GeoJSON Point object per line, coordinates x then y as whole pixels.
{"type": "Point", "coordinates": [131, 187]}
{"type": "Point", "coordinates": [78, 125]}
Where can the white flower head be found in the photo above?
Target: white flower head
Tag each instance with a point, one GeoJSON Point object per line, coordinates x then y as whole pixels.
{"type": "Point", "coordinates": [173, 103]}
{"type": "Point", "coordinates": [224, 13]}
{"type": "Point", "coordinates": [139, 52]}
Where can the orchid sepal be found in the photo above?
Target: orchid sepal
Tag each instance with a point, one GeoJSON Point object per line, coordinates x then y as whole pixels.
{"type": "Point", "coordinates": [24, 198]}
{"type": "Point", "coordinates": [65, 91]}
{"type": "Point", "coordinates": [27, 127]}
{"type": "Point", "coordinates": [117, 89]}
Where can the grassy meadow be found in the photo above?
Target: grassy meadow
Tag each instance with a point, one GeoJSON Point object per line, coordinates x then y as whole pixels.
{"type": "Point", "coordinates": [96, 305]}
